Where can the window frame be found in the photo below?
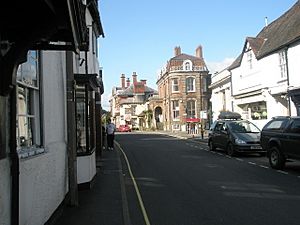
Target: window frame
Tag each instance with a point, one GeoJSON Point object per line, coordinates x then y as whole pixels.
{"type": "Point", "coordinates": [191, 113]}
{"type": "Point", "coordinates": [190, 84]}
{"type": "Point", "coordinates": [175, 85]}
{"type": "Point", "coordinates": [28, 92]}
{"type": "Point", "coordinates": [282, 64]}
{"type": "Point", "coordinates": [175, 110]}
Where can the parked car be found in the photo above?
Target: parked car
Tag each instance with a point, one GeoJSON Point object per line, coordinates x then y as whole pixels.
{"type": "Point", "coordinates": [124, 128]}
{"type": "Point", "coordinates": [234, 135]}
{"type": "Point", "coordinates": [280, 137]}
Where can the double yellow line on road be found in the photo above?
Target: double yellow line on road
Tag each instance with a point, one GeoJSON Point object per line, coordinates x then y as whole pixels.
{"type": "Point", "coordinates": [137, 191]}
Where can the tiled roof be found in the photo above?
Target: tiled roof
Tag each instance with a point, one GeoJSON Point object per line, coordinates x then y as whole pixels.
{"type": "Point", "coordinates": [178, 60]}
{"type": "Point", "coordinates": [278, 34]}
{"type": "Point", "coordinates": [129, 91]}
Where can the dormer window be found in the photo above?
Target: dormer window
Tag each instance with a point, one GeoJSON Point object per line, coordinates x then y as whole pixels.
{"type": "Point", "coordinates": [187, 65]}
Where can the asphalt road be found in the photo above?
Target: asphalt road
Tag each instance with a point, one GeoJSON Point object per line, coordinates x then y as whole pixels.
{"type": "Point", "coordinates": [168, 181]}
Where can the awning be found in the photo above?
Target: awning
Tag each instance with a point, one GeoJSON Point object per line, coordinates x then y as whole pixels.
{"type": "Point", "coordinates": [90, 79]}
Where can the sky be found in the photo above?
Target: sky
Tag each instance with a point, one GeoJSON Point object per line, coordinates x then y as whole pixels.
{"type": "Point", "coordinates": [140, 35]}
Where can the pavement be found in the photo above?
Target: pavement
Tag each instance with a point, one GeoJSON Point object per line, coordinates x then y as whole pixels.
{"type": "Point", "coordinates": [103, 204]}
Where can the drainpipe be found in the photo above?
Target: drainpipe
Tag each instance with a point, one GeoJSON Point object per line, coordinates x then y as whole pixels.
{"type": "Point", "coordinates": [15, 167]}
{"type": "Point", "coordinates": [288, 79]}
{"type": "Point", "coordinates": [72, 153]}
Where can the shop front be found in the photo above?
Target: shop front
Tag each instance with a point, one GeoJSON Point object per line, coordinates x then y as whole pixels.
{"type": "Point", "coordinates": [86, 87]}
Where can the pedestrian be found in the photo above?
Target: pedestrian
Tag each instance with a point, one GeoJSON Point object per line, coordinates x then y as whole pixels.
{"type": "Point", "coordinates": [110, 134]}
{"type": "Point", "coordinates": [202, 131]}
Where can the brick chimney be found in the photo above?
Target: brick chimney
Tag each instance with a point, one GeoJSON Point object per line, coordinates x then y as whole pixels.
{"type": "Point", "coordinates": [123, 81]}
{"type": "Point", "coordinates": [134, 79]}
{"type": "Point", "coordinates": [127, 82]}
{"type": "Point", "coordinates": [177, 50]}
{"type": "Point", "coordinates": [199, 53]}
{"type": "Point", "coordinates": [144, 82]}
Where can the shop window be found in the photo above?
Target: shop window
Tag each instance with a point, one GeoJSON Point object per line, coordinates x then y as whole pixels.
{"type": "Point", "coordinates": [84, 119]}
{"type": "Point", "coordinates": [190, 84]}
{"type": "Point", "coordinates": [258, 110]}
{"type": "Point", "coordinates": [28, 104]}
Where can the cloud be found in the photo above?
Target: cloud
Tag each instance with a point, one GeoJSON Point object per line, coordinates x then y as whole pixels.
{"type": "Point", "coordinates": [214, 67]}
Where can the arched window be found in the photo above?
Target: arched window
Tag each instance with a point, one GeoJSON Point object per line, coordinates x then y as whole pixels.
{"type": "Point", "coordinates": [187, 65]}
{"type": "Point", "coordinates": [190, 84]}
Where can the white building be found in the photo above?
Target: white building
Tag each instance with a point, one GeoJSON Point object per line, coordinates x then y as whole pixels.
{"type": "Point", "coordinates": [265, 77]}
{"type": "Point", "coordinates": [221, 96]}
{"type": "Point", "coordinates": [37, 156]}
{"type": "Point", "coordinates": [129, 102]}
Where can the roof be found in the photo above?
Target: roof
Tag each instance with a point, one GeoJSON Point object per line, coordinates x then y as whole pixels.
{"type": "Point", "coordinates": [179, 59]}
{"type": "Point", "coordinates": [280, 33]}
{"type": "Point", "coordinates": [129, 91]}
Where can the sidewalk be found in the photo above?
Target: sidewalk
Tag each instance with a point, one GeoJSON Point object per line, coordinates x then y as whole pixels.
{"type": "Point", "coordinates": [103, 204]}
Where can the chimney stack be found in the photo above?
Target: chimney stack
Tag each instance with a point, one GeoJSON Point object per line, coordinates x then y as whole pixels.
{"type": "Point", "coordinates": [127, 82]}
{"type": "Point", "coordinates": [123, 81]}
{"type": "Point", "coordinates": [177, 50]}
{"type": "Point", "coordinates": [134, 79]}
{"type": "Point", "coordinates": [199, 53]}
{"type": "Point", "coordinates": [144, 82]}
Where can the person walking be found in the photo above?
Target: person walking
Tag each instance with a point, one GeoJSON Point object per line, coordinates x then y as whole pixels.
{"type": "Point", "coordinates": [110, 134]}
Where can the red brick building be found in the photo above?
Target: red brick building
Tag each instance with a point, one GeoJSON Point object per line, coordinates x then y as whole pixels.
{"type": "Point", "coordinates": [183, 100]}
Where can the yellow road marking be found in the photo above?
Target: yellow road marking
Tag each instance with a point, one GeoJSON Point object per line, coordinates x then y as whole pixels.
{"type": "Point", "coordinates": [137, 191]}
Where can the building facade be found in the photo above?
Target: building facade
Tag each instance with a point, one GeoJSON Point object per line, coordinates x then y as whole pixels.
{"type": "Point", "coordinates": [265, 76]}
{"type": "Point", "coordinates": [183, 90]}
{"type": "Point", "coordinates": [39, 157]}
{"type": "Point", "coordinates": [129, 103]}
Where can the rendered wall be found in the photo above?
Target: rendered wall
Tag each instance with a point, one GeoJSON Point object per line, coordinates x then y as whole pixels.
{"type": "Point", "coordinates": [43, 178]}
{"type": "Point", "coordinates": [5, 192]}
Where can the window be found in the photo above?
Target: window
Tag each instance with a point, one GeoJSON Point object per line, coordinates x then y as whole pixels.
{"type": "Point", "coordinates": [190, 84]}
{"type": "Point", "coordinates": [175, 85]}
{"type": "Point", "coordinates": [295, 127]}
{"type": "Point", "coordinates": [191, 109]}
{"type": "Point", "coordinates": [85, 118]}
{"type": "Point", "coordinates": [28, 111]}
{"type": "Point", "coordinates": [187, 66]}
{"type": "Point", "coordinates": [249, 59]}
{"type": "Point", "coordinates": [282, 64]}
{"type": "Point", "coordinates": [276, 124]}
{"type": "Point", "coordinates": [258, 110]}
{"type": "Point", "coordinates": [175, 109]}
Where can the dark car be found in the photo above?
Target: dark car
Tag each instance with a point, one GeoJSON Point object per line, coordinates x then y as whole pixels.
{"type": "Point", "coordinates": [235, 135]}
{"type": "Point", "coordinates": [280, 137]}
{"type": "Point", "coordinates": [124, 128]}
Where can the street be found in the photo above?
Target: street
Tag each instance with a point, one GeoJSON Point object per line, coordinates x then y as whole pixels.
{"type": "Point", "coordinates": [169, 181]}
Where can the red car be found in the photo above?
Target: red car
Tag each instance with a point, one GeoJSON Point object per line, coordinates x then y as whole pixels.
{"type": "Point", "coordinates": [124, 128]}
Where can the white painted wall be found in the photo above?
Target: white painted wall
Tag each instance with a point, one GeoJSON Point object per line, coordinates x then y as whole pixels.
{"type": "Point", "coordinates": [86, 168]}
{"type": "Point", "coordinates": [43, 178]}
{"type": "Point", "coordinates": [5, 192]}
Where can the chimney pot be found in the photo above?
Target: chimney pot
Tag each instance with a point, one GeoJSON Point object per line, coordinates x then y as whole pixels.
{"type": "Point", "coordinates": [134, 79]}
{"type": "Point", "coordinates": [123, 80]}
{"type": "Point", "coordinates": [199, 52]}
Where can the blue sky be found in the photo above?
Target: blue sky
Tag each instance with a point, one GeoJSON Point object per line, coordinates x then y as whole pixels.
{"type": "Point", "coordinates": [140, 36]}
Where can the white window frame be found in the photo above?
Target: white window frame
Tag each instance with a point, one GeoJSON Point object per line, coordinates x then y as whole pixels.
{"type": "Point", "coordinates": [175, 85]}
{"type": "Point", "coordinates": [250, 59]}
{"type": "Point", "coordinates": [175, 109]}
{"type": "Point", "coordinates": [282, 64]}
{"type": "Point", "coordinates": [190, 86]}
{"type": "Point", "coordinates": [29, 128]}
